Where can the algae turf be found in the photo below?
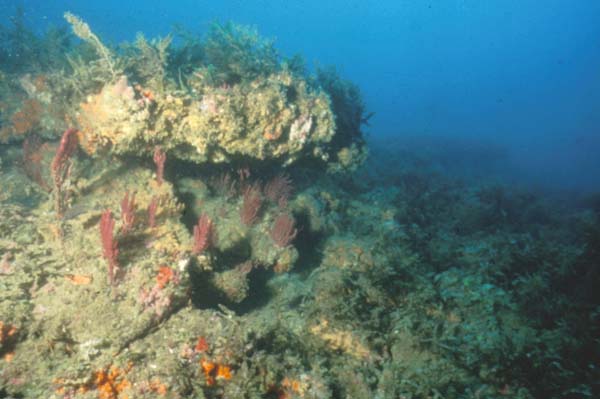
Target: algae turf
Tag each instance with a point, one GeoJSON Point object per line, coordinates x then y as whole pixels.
{"type": "Point", "coordinates": [229, 266]}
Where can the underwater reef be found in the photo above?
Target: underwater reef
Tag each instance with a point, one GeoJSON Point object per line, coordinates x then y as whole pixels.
{"type": "Point", "coordinates": [198, 217]}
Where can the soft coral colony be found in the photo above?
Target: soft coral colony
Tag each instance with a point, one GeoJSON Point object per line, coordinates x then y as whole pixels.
{"type": "Point", "coordinates": [124, 255]}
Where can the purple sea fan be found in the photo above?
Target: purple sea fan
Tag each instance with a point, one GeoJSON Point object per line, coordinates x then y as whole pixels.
{"type": "Point", "coordinates": [279, 190]}
{"type": "Point", "coordinates": [152, 208]}
{"type": "Point", "coordinates": [110, 250]}
{"type": "Point", "coordinates": [284, 230]}
{"type": "Point", "coordinates": [224, 185]}
{"type": "Point", "coordinates": [159, 159]}
{"type": "Point", "coordinates": [127, 212]}
{"type": "Point", "coordinates": [251, 204]}
{"type": "Point", "coordinates": [61, 167]}
{"type": "Point", "coordinates": [203, 232]}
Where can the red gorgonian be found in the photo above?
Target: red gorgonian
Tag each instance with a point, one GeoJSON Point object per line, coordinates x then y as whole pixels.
{"type": "Point", "coordinates": [203, 234]}
{"type": "Point", "coordinates": [284, 230]}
